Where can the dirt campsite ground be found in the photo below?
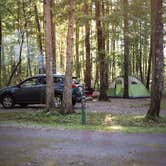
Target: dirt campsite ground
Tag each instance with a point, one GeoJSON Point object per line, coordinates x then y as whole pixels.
{"type": "Point", "coordinates": [123, 106]}
{"type": "Point", "coordinates": [114, 105]}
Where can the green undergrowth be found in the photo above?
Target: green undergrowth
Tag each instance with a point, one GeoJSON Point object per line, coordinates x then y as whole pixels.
{"type": "Point", "coordinates": [94, 121]}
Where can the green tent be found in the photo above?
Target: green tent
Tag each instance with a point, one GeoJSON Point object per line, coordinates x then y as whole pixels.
{"type": "Point", "coordinates": [136, 88]}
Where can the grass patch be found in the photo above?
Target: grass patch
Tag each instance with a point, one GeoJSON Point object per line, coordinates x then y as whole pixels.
{"type": "Point", "coordinates": [95, 121]}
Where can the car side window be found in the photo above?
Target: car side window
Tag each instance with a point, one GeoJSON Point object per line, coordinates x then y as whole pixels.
{"type": "Point", "coordinates": [58, 79]}
{"type": "Point", "coordinates": [31, 82]}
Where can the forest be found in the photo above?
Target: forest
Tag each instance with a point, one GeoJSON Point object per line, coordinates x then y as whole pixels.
{"type": "Point", "coordinates": [104, 39]}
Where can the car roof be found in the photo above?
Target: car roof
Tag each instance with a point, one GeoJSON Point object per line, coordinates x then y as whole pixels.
{"type": "Point", "coordinates": [54, 75]}
{"type": "Point", "coordinates": [44, 75]}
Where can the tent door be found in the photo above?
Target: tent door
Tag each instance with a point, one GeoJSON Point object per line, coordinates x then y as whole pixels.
{"type": "Point", "coordinates": [118, 88]}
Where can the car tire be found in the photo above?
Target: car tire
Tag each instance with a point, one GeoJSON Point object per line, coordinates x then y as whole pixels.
{"type": "Point", "coordinates": [23, 105]}
{"type": "Point", "coordinates": [58, 101]}
{"type": "Point", "coordinates": [8, 101]}
{"type": "Point", "coordinates": [73, 103]}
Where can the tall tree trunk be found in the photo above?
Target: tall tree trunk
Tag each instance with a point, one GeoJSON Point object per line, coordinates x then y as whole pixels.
{"type": "Point", "coordinates": [87, 47]}
{"type": "Point", "coordinates": [49, 57]}
{"type": "Point", "coordinates": [28, 54]}
{"type": "Point", "coordinates": [67, 93]}
{"type": "Point", "coordinates": [126, 49]}
{"type": "Point", "coordinates": [149, 64]}
{"type": "Point", "coordinates": [113, 56]}
{"type": "Point", "coordinates": [149, 58]}
{"type": "Point", "coordinates": [19, 61]}
{"type": "Point", "coordinates": [105, 67]}
{"type": "Point", "coordinates": [0, 52]}
{"type": "Point", "coordinates": [61, 52]}
{"type": "Point", "coordinates": [4, 73]}
{"type": "Point", "coordinates": [39, 40]}
{"type": "Point", "coordinates": [83, 54]}
{"type": "Point", "coordinates": [96, 82]}
{"type": "Point", "coordinates": [20, 31]}
{"type": "Point", "coordinates": [53, 38]}
{"type": "Point", "coordinates": [54, 46]}
{"type": "Point", "coordinates": [140, 55]}
{"type": "Point", "coordinates": [77, 52]}
{"type": "Point", "coordinates": [133, 60]}
{"type": "Point", "coordinates": [29, 71]}
{"type": "Point", "coordinates": [101, 52]}
{"type": "Point", "coordinates": [157, 59]}
{"type": "Point", "coordinates": [108, 39]}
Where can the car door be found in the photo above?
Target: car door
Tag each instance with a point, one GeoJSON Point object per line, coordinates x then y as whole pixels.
{"type": "Point", "coordinates": [29, 91]}
{"type": "Point", "coordinates": [58, 85]}
{"type": "Point", "coordinates": [43, 89]}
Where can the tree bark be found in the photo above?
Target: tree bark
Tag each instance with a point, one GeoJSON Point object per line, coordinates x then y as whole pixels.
{"type": "Point", "coordinates": [157, 59]}
{"type": "Point", "coordinates": [140, 55]}
{"type": "Point", "coordinates": [53, 38]}
{"type": "Point", "coordinates": [19, 61]}
{"type": "Point", "coordinates": [67, 93]}
{"type": "Point", "coordinates": [0, 52]}
{"type": "Point", "coordinates": [49, 57]}
{"type": "Point", "coordinates": [77, 52]}
{"type": "Point", "coordinates": [149, 58]}
{"type": "Point", "coordinates": [88, 69]}
{"type": "Point", "coordinates": [101, 53]}
{"type": "Point", "coordinates": [61, 52]}
{"type": "Point", "coordinates": [28, 55]}
{"type": "Point", "coordinates": [149, 65]}
{"type": "Point", "coordinates": [29, 71]}
{"type": "Point", "coordinates": [113, 55]}
{"type": "Point", "coordinates": [20, 31]}
{"type": "Point", "coordinates": [83, 54]}
{"type": "Point", "coordinates": [3, 69]}
{"type": "Point", "coordinates": [126, 49]}
{"type": "Point", "coordinates": [39, 40]}
{"type": "Point", "coordinates": [105, 67]}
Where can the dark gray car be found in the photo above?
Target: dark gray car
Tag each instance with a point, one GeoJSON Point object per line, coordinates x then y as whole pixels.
{"type": "Point", "coordinates": [33, 91]}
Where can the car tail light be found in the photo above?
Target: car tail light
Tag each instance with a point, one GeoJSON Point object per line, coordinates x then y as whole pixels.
{"type": "Point", "coordinates": [74, 85]}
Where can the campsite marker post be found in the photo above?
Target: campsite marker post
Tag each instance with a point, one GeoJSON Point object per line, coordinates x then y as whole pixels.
{"type": "Point", "coordinates": [83, 109]}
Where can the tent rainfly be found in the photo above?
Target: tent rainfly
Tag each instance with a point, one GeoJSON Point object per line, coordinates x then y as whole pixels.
{"type": "Point", "coordinates": [136, 88]}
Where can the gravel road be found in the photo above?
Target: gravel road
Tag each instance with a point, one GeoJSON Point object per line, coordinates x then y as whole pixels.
{"type": "Point", "coordinates": [59, 147]}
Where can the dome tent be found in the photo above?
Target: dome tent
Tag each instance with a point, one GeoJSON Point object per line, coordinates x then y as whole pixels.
{"type": "Point", "coordinates": [136, 88]}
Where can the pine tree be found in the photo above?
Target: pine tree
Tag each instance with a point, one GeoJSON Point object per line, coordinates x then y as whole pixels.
{"type": "Point", "coordinates": [49, 57]}
{"type": "Point", "coordinates": [67, 106]}
{"type": "Point", "coordinates": [157, 59]}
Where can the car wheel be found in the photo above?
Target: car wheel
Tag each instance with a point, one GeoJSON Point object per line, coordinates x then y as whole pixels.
{"type": "Point", "coordinates": [73, 102]}
{"type": "Point", "coordinates": [7, 101]}
{"type": "Point", "coordinates": [23, 105]}
{"type": "Point", "coordinates": [58, 101]}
